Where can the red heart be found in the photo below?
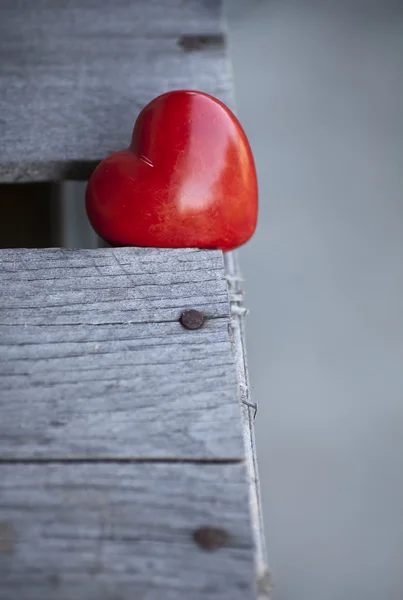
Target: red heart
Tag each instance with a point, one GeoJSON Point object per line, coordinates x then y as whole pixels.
{"type": "Point", "coordinates": [188, 179]}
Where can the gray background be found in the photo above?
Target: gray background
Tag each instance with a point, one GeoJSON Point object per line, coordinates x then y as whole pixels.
{"type": "Point", "coordinates": [319, 90]}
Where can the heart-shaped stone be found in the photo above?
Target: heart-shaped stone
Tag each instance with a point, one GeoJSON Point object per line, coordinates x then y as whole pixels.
{"type": "Point", "coordinates": [188, 179]}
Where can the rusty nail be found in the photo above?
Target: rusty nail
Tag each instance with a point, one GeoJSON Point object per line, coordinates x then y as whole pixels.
{"type": "Point", "coordinates": [211, 538]}
{"type": "Point", "coordinates": [192, 319]}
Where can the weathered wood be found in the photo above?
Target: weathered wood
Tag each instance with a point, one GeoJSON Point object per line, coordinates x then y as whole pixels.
{"type": "Point", "coordinates": [123, 531]}
{"type": "Point", "coordinates": [119, 439]}
{"type": "Point", "coordinates": [249, 411]}
{"type": "Point", "coordinates": [84, 340]}
{"type": "Point", "coordinates": [74, 75]}
{"type": "Point", "coordinates": [94, 361]}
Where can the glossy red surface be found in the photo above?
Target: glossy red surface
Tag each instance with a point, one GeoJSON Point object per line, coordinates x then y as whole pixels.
{"type": "Point", "coordinates": [188, 179]}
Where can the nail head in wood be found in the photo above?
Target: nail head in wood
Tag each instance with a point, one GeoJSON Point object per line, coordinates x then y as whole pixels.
{"type": "Point", "coordinates": [192, 319]}
{"type": "Point", "coordinates": [211, 538]}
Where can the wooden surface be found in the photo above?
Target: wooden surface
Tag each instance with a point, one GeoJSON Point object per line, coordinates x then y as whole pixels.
{"type": "Point", "coordinates": [123, 531]}
{"type": "Point", "coordinates": [120, 431]}
{"type": "Point", "coordinates": [74, 74]}
{"type": "Point", "coordinates": [249, 413]}
{"type": "Point", "coordinates": [93, 336]}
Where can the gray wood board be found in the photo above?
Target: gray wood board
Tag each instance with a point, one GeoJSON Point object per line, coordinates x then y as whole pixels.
{"type": "Point", "coordinates": [74, 74]}
{"type": "Point", "coordinates": [123, 531]}
{"type": "Point", "coordinates": [249, 412]}
{"type": "Point", "coordinates": [94, 362]}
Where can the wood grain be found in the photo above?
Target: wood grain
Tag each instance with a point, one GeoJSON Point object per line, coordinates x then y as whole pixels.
{"type": "Point", "coordinates": [94, 361]}
{"type": "Point", "coordinates": [119, 531]}
{"type": "Point", "coordinates": [120, 432]}
{"type": "Point", "coordinates": [249, 413]}
{"type": "Point", "coordinates": [74, 74]}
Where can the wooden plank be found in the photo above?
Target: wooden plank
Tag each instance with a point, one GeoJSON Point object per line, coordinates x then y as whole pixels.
{"type": "Point", "coordinates": [74, 75]}
{"type": "Point", "coordinates": [123, 531]}
{"type": "Point", "coordinates": [95, 362]}
{"type": "Point", "coordinates": [85, 70]}
{"type": "Point", "coordinates": [249, 412]}
{"type": "Point", "coordinates": [52, 420]}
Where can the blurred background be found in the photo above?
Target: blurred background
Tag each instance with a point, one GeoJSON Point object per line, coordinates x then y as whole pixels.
{"type": "Point", "coordinates": [319, 90]}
